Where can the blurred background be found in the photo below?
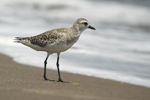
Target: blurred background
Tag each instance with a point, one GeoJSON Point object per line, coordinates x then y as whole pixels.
{"type": "Point", "coordinates": [119, 49]}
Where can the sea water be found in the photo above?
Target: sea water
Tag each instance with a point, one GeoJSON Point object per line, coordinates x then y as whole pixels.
{"type": "Point", "coordinates": [119, 49]}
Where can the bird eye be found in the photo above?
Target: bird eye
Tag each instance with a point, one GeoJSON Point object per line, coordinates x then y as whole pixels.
{"type": "Point", "coordinates": [85, 23]}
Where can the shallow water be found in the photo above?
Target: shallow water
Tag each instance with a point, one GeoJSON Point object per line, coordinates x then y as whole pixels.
{"type": "Point", "coordinates": [119, 49]}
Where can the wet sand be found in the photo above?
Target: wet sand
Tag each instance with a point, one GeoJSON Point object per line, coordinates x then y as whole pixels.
{"type": "Point", "coordinates": [23, 82]}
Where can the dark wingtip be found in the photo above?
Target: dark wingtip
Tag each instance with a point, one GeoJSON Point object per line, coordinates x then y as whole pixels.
{"type": "Point", "coordinates": [17, 40]}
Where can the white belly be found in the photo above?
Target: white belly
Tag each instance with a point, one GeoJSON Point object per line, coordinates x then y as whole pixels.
{"type": "Point", "coordinates": [57, 48]}
{"type": "Point", "coordinates": [52, 48]}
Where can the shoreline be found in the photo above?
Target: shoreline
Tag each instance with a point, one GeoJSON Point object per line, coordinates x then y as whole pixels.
{"type": "Point", "coordinates": [18, 81]}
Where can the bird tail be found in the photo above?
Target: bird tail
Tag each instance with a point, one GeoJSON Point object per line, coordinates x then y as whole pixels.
{"type": "Point", "coordinates": [19, 39]}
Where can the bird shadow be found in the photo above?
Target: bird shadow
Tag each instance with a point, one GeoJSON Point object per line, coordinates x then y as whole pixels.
{"type": "Point", "coordinates": [56, 81]}
{"type": "Point", "coordinates": [46, 79]}
{"type": "Point", "coordinates": [62, 82]}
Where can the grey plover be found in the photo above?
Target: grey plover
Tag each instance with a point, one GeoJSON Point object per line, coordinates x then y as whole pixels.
{"type": "Point", "coordinates": [56, 41]}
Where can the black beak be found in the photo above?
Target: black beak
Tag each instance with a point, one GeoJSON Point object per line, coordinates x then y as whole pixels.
{"type": "Point", "coordinates": [91, 27]}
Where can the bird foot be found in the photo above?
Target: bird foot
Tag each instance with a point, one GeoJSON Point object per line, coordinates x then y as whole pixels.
{"type": "Point", "coordinates": [46, 79]}
{"type": "Point", "coordinates": [62, 81]}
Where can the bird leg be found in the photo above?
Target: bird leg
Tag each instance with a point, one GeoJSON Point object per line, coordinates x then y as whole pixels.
{"type": "Point", "coordinates": [59, 77]}
{"type": "Point", "coordinates": [45, 62]}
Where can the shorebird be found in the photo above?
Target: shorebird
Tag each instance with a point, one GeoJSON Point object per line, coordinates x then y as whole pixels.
{"type": "Point", "coordinates": [56, 41]}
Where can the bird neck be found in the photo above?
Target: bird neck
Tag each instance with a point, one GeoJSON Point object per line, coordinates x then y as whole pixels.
{"type": "Point", "coordinates": [76, 30]}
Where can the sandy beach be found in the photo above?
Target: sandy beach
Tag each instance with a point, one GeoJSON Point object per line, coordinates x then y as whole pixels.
{"type": "Point", "coordinates": [23, 82]}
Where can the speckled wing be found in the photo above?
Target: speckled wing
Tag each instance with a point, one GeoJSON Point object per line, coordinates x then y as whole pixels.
{"type": "Point", "coordinates": [43, 39]}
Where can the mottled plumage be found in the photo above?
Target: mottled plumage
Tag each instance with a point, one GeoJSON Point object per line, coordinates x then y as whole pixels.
{"type": "Point", "coordinates": [56, 40]}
